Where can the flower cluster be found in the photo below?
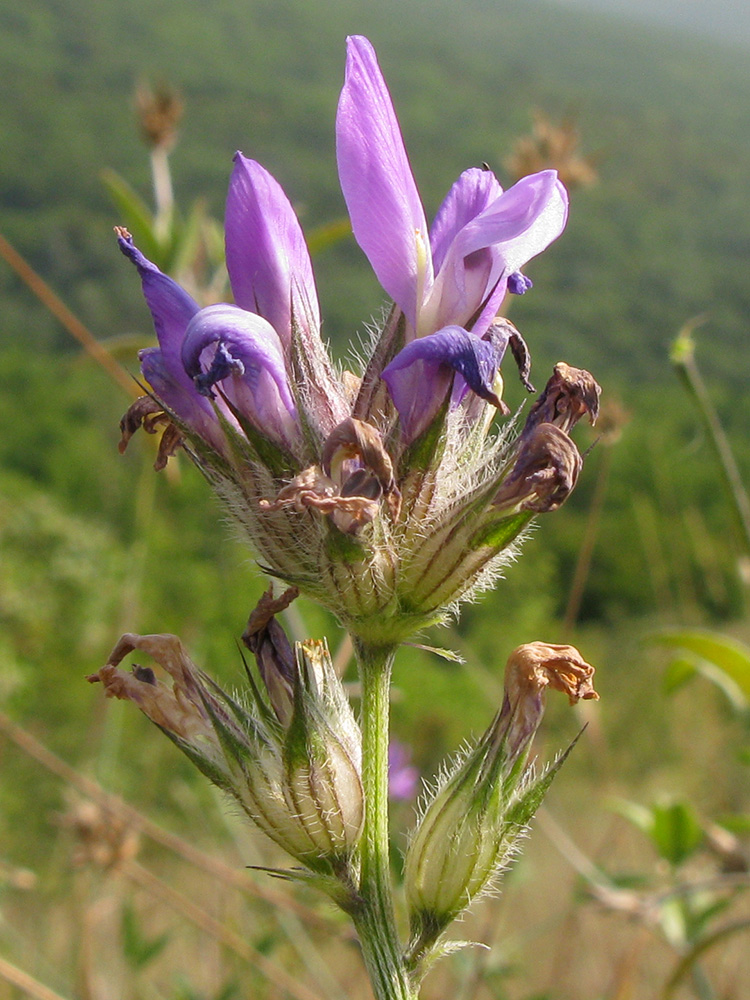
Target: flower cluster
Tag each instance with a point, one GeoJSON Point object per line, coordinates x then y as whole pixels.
{"type": "Point", "coordinates": [291, 757]}
{"type": "Point", "coordinates": [385, 497]}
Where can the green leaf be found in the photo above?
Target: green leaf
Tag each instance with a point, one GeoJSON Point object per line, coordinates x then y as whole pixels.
{"type": "Point", "coordinates": [676, 832]}
{"type": "Point", "coordinates": [187, 238]}
{"type": "Point", "coordinates": [640, 816]}
{"type": "Point", "coordinates": [138, 949]}
{"type": "Point", "coordinates": [722, 660]}
{"type": "Point", "coordinates": [678, 673]}
{"type": "Point", "coordinates": [737, 823]}
{"type": "Point", "coordinates": [687, 963]}
{"type": "Point", "coordinates": [673, 827]}
{"type": "Point", "coordinates": [322, 237]}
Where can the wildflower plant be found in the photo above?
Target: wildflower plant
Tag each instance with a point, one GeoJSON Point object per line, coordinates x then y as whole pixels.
{"type": "Point", "coordinates": [389, 497]}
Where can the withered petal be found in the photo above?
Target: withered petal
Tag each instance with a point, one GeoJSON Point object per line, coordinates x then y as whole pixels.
{"type": "Point", "coordinates": [570, 394]}
{"type": "Point", "coordinates": [356, 439]}
{"type": "Point", "coordinates": [144, 412]}
{"type": "Point", "coordinates": [545, 472]}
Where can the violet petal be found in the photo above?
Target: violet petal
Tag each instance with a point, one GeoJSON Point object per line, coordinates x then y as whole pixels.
{"type": "Point", "coordinates": [473, 192]}
{"type": "Point", "coordinates": [386, 213]}
{"type": "Point", "coordinates": [420, 375]}
{"type": "Point", "coordinates": [241, 352]}
{"type": "Point", "coordinates": [267, 257]}
{"type": "Point", "coordinates": [171, 307]}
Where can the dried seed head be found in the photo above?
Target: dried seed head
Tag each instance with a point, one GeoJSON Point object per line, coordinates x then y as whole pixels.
{"type": "Point", "coordinates": [159, 111]}
{"type": "Point", "coordinates": [103, 839]}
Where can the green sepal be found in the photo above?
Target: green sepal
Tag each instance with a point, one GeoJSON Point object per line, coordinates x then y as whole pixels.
{"type": "Point", "coordinates": [498, 534]}
{"type": "Point", "coordinates": [204, 764]}
{"type": "Point", "coordinates": [232, 746]}
{"type": "Point", "coordinates": [426, 450]}
{"type": "Point", "coordinates": [521, 810]}
{"type": "Point", "coordinates": [299, 739]}
{"type": "Point", "coordinates": [341, 547]}
{"type": "Point", "coordinates": [337, 887]}
{"type": "Point", "coordinates": [373, 395]}
{"type": "Point", "coordinates": [303, 374]}
{"type": "Point", "coordinates": [275, 458]}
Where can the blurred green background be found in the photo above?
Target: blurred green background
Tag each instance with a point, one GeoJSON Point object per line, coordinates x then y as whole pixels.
{"type": "Point", "coordinates": [93, 543]}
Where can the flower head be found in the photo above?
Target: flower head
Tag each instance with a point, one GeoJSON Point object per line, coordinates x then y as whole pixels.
{"type": "Point", "coordinates": [389, 498]}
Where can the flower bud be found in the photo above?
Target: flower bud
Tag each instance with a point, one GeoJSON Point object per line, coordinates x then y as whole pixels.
{"type": "Point", "coordinates": [468, 831]}
{"type": "Point", "coordinates": [292, 760]}
{"type": "Point", "coordinates": [323, 756]}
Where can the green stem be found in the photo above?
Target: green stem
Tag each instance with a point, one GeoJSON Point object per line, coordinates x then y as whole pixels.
{"type": "Point", "coordinates": [683, 358]}
{"type": "Point", "coordinates": [375, 918]}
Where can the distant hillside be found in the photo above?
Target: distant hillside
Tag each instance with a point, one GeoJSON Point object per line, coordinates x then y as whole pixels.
{"type": "Point", "coordinates": [727, 21]}
{"type": "Point", "coordinates": [665, 235]}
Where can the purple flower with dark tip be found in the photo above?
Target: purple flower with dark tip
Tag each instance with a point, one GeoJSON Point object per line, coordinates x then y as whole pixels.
{"type": "Point", "coordinates": [421, 375]}
{"type": "Point", "coordinates": [234, 358]}
{"type": "Point", "coordinates": [229, 347]}
{"type": "Point", "coordinates": [221, 356]}
{"type": "Point", "coordinates": [459, 272]}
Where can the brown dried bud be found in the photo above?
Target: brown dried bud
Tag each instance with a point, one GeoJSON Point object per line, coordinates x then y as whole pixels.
{"type": "Point", "coordinates": [178, 709]}
{"type": "Point", "coordinates": [544, 473]}
{"type": "Point", "coordinates": [569, 395]}
{"type": "Point", "coordinates": [267, 641]}
{"type": "Point", "coordinates": [145, 412]}
{"type": "Point", "coordinates": [530, 670]}
{"type": "Point", "coordinates": [355, 474]}
{"type": "Point", "coordinates": [355, 441]}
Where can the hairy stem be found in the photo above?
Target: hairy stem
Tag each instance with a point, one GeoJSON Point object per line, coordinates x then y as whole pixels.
{"type": "Point", "coordinates": [375, 918]}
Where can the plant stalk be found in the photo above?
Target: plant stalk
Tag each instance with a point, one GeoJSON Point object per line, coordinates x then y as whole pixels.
{"type": "Point", "coordinates": [374, 918]}
{"type": "Point", "coordinates": [683, 359]}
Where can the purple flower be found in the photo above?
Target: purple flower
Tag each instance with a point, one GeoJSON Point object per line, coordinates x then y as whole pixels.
{"type": "Point", "coordinates": [403, 777]}
{"type": "Point", "coordinates": [221, 355]}
{"type": "Point", "coordinates": [482, 236]}
{"type": "Point", "coordinates": [238, 356]}
{"type": "Point", "coordinates": [420, 375]}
